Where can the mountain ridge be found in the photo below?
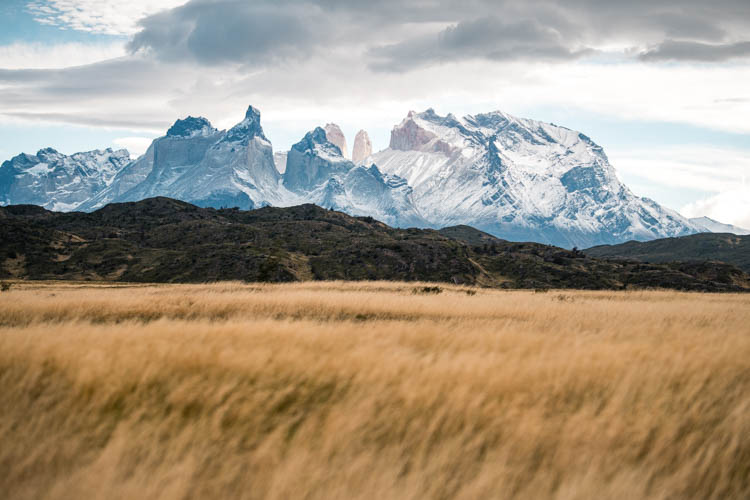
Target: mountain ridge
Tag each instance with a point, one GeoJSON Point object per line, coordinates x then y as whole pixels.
{"type": "Point", "coordinates": [515, 178]}
{"type": "Point", "coordinates": [520, 179]}
{"type": "Point", "coordinates": [722, 247]}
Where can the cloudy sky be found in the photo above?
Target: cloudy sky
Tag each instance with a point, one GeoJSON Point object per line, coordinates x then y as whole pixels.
{"type": "Point", "coordinates": [662, 85]}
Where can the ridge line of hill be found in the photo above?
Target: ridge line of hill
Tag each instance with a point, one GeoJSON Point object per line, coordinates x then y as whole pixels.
{"type": "Point", "coordinates": [166, 240]}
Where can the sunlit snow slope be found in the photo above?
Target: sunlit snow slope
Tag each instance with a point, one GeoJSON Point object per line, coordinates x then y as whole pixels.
{"type": "Point", "coordinates": [521, 180]}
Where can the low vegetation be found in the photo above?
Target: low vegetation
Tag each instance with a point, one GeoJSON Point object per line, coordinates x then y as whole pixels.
{"type": "Point", "coordinates": [371, 390]}
{"type": "Point", "coordinates": [164, 240]}
{"type": "Point", "coordinates": [702, 247]}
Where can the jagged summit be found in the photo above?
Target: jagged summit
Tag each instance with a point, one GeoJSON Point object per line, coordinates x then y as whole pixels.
{"type": "Point", "coordinates": [362, 147]}
{"type": "Point", "coordinates": [202, 165]}
{"type": "Point", "coordinates": [47, 151]}
{"type": "Point", "coordinates": [336, 136]}
{"type": "Point", "coordinates": [312, 161]}
{"type": "Point", "coordinates": [247, 129]}
{"type": "Point", "coordinates": [316, 136]}
{"type": "Point", "coordinates": [252, 113]}
{"type": "Point", "coordinates": [190, 126]}
{"type": "Point", "coordinates": [317, 171]}
{"type": "Point", "coordinates": [413, 133]}
{"type": "Point", "coordinates": [317, 142]}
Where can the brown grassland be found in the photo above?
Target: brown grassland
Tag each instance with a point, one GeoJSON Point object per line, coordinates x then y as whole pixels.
{"type": "Point", "coordinates": [371, 390]}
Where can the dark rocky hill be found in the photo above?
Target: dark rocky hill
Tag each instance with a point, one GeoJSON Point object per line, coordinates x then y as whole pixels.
{"type": "Point", "coordinates": [703, 247]}
{"type": "Point", "coordinates": [165, 240]}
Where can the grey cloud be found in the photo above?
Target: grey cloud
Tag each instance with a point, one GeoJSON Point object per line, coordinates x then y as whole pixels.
{"type": "Point", "coordinates": [134, 123]}
{"type": "Point", "coordinates": [485, 38]}
{"type": "Point", "coordinates": [87, 95]}
{"type": "Point", "coordinates": [732, 100]}
{"type": "Point", "coordinates": [230, 31]}
{"type": "Point", "coordinates": [393, 35]}
{"type": "Point", "coordinates": [100, 79]}
{"type": "Point", "coordinates": [674, 50]}
{"type": "Point", "coordinates": [680, 24]}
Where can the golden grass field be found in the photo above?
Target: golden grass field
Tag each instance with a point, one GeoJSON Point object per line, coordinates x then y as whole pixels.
{"type": "Point", "coordinates": [371, 391]}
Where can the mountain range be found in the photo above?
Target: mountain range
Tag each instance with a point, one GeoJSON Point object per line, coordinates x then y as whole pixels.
{"type": "Point", "coordinates": [518, 179]}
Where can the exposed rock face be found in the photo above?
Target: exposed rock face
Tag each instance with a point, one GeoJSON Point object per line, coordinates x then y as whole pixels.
{"type": "Point", "coordinates": [336, 136]}
{"type": "Point", "coordinates": [279, 159]}
{"type": "Point", "coordinates": [190, 127]}
{"type": "Point", "coordinates": [411, 136]}
{"type": "Point", "coordinates": [362, 147]}
{"type": "Point", "coordinates": [56, 181]}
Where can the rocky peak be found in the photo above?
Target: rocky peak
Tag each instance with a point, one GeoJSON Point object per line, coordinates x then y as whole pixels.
{"type": "Point", "coordinates": [47, 152]}
{"type": "Point", "coordinates": [21, 161]}
{"type": "Point", "coordinates": [413, 133]}
{"type": "Point", "coordinates": [310, 140]}
{"type": "Point", "coordinates": [362, 147]}
{"type": "Point", "coordinates": [317, 143]}
{"type": "Point", "coordinates": [409, 136]}
{"type": "Point", "coordinates": [279, 160]}
{"type": "Point", "coordinates": [252, 114]}
{"type": "Point", "coordinates": [120, 153]}
{"type": "Point", "coordinates": [247, 129]}
{"type": "Point", "coordinates": [313, 161]}
{"type": "Point", "coordinates": [336, 136]}
{"type": "Point", "coordinates": [430, 115]}
{"type": "Point", "coordinates": [49, 155]}
{"type": "Point", "coordinates": [494, 120]}
{"type": "Point", "coordinates": [190, 126]}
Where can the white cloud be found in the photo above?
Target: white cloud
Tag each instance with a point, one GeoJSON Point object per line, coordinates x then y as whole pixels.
{"type": "Point", "coordinates": [706, 169]}
{"type": "Point", "coordinates": [732, 206]}
{"type": "Point", "coordinates": [665, 93]}
{"type": "Point", "coordinates": [140, 93]}
{"type": "Point", "coordinates": [721, 175]}
{"type": "Point", "coordinates": [38, 55]}
{"type": "Point", "coordinates": [136, 145]}
{"type": "Point", "coordinates": [111, 17]}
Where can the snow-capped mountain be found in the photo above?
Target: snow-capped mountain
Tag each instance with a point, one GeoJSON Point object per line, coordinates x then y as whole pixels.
{"type": "Point", "coordinates": [57, 181]}
{"type": "Point", "coordinates": [708, 225]}
{"type": "Point", "coordinates": [515, 178]}
{"type": "Point", "coordinates": [520, 180]}
{"type": "Point", "coordinates": [164, 162]}
{"type": "Point", "coordinates": [317, 172]}
{"type": "Point", "coordinates": [237, 170]}
{"type": "Point", "coordinates": [197, 163]}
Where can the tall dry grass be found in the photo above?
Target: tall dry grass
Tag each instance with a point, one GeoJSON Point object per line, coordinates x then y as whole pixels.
{"type": "Point", "coordinates": [368, 390]}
